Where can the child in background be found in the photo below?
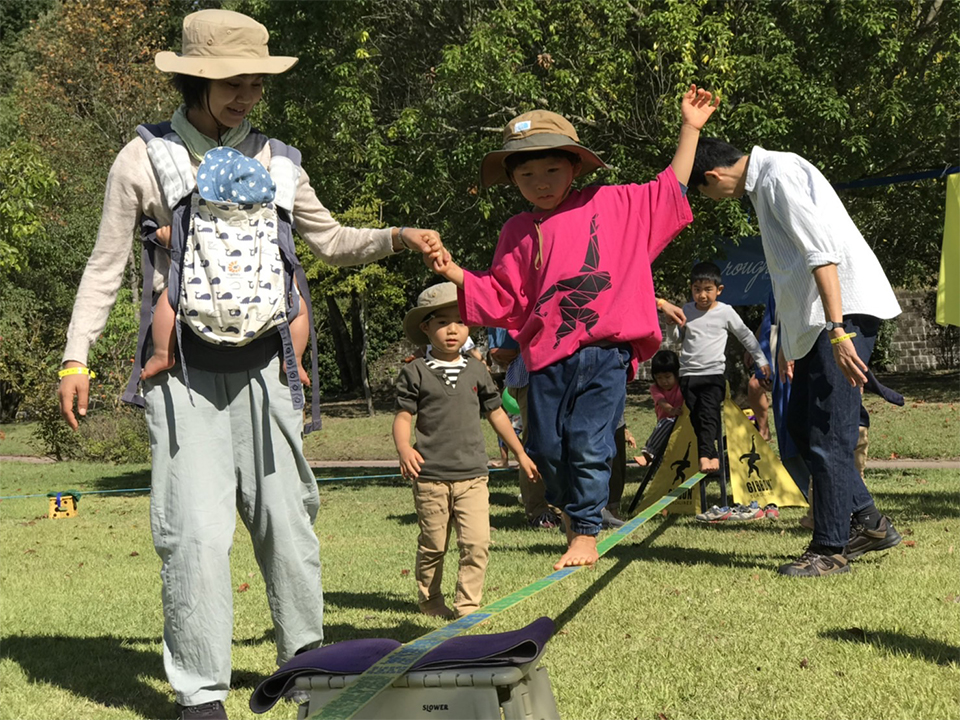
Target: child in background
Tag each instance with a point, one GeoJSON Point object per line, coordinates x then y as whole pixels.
{"type": "Point", "coordinates": [703, 358]}
{"type": "Point", "coordinates": [667, 402]}
{"type": "Point", "coordinates": [448, 466]}
{"type": "Point", "coordinates": [560, 276]}
{"type": "Point", "coordinates": [513, 413]}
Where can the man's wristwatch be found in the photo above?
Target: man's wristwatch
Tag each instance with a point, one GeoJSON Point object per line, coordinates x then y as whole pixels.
{"type": "Point", "coordinates": [833, 326]}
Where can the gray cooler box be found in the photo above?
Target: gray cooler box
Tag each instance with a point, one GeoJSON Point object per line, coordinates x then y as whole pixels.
{"type": "Point", "coordinates": [477, 677]}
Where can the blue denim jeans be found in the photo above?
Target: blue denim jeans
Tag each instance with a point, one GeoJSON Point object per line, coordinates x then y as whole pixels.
{"type": "Point", "coordinates": [823, 419]}
{"type": "Point", "coordinates": [574, 409]}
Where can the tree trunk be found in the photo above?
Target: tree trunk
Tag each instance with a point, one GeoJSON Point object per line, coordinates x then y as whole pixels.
{"type": "Point", "coordinates": [364, 377]}
{"type": "Point", "coordinates": [341, 340]}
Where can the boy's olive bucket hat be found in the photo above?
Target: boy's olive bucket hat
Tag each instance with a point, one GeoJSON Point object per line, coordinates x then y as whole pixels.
{"type": "Point", "coordinates": [432, 299]}
{"type": "Point", "coordinates": [536, 130]}
{"type": "Point", "coordinates": [219, 44]}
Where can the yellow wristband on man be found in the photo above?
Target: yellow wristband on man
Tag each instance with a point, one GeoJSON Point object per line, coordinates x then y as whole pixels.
{"type": "Point", "coordinates": [838, 340]}
{"type": "Point", "coordinates": [76, 371]}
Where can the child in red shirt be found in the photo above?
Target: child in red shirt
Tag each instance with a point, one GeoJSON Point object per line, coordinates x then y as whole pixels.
{"type": "Point", "coordinates": [562, 278]}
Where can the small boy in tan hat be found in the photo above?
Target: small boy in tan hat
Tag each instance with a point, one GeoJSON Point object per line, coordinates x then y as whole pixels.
{"type": "Point", "coordinates": [448, 465]}
{"type": "Point", "coordinates": [572, 279]}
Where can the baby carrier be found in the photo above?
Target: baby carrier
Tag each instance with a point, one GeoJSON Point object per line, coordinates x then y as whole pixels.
{"type": "Point", "coordinates": [232, 263]}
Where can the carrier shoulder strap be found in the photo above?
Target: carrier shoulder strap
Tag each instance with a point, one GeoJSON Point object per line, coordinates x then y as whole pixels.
{"type": "Point", "coordinates": [285, 170]}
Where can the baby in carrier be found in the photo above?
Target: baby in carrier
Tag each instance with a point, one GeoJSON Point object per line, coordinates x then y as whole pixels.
{"type": "Point", "coordinates": [226, 177]}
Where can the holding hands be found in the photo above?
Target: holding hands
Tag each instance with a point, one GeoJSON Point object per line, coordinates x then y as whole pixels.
{"type": "Point", "coordinates": [417, 240]}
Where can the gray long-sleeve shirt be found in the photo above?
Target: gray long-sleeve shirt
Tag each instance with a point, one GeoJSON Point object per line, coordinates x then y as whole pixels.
{"type": "Point", "coordinates": [704, 339]}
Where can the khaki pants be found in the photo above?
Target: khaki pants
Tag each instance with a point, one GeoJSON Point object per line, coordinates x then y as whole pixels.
{"type": "Point", "coordinates": [467, 504]}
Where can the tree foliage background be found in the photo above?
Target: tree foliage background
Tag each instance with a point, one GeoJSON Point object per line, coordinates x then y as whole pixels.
{"type": "Point", "coordinates": [394, 104]}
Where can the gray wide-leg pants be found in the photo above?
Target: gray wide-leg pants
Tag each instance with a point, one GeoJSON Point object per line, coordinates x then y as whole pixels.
{"type": "Point", "coordinates": [238, 447]}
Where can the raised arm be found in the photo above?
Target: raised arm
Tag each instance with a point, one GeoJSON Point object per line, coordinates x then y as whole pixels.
{"type": "Point", "coordinates": [696, 108]}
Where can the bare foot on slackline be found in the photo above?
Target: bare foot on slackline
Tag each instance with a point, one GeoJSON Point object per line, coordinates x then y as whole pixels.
{"type": "Point", "coordinates": [582, 550]}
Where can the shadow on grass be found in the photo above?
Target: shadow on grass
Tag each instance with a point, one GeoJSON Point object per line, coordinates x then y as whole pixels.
{"type": "Point", "coordinates": [367, 601]}
{"type": "Point", "coordinates": [106, 669]}
{"type": "Point", "coordinates": [915, 505]}
{"type": "Point", "coordinates": [132, 479]}
{"type": "Point", "coordinates": [933, 651]}
{"type": "Point", "coordinates": [402, 632]}
{"type": "Point", "coordinates": [936, 386]}
{"type": "Point", "coordinates": [505, 499]}
{"type": "Point", "coordinates": [405, 519]}
{"type": "Point", "coordinates": [608, 576]}
{"type": "Point", "coordinates": [673, 554]}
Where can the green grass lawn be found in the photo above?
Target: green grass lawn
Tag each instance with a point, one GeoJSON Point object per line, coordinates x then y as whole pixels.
{"type": "Point", "coordinates": [927, 427]}
{"type": "Point", "coordinates": [679, 621]}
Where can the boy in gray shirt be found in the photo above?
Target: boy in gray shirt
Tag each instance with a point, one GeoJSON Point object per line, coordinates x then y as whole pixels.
{"type": "Point", "coordinates": [703, 359]}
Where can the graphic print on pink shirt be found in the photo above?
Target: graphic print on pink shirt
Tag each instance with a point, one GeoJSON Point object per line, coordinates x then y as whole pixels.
{"type": "Point", "coordinates": [581, 290]}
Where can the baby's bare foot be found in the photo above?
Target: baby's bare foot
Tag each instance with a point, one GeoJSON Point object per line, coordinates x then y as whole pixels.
{"type": "Point", "coordinates": [582, 550]}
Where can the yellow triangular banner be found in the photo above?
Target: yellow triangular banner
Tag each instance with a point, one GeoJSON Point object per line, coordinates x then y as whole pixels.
{"type": "Point", "coordinates": [755, 470]}
{"type": "Point", "coordinates": [680, 462]}
{"type": "Point", "coordinates": [948, 289]}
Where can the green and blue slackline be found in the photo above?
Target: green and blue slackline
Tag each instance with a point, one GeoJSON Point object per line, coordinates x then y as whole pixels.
{"type": "Point", "coordinates": [384, 672]}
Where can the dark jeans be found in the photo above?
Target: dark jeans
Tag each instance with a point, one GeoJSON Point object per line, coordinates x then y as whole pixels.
{"type": "Point", "coordinates": [823, 419]}
{"type": "Point", "coordinates": [575, 406]}
{"type": "Point", "coordinates": [703, 395]}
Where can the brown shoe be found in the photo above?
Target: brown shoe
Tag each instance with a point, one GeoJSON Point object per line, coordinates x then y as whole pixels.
{"type": "Point", "coordinates": [813, 564]}
{"type": "Point", "coordinates": [863, 540]}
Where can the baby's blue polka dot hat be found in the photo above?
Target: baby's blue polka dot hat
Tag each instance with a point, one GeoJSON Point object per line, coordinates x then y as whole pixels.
{"type": "Point", "coordinates": [226, 175]}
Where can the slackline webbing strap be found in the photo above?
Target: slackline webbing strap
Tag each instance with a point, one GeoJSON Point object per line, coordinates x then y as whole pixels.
{"type": "Point", "coordinates": [383, 673]}
{"type": "Point", "coordinates": [896, 179]}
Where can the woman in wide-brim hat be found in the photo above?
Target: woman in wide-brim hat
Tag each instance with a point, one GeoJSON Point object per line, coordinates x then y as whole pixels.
{"type": "Point", "coordinates": [237, 445]}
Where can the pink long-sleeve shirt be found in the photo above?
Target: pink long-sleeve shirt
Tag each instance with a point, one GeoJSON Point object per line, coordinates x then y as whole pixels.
{"type": "Point", "coordinates": [594, 283]}
{"type": "Point", "coordinates": [672, 397]}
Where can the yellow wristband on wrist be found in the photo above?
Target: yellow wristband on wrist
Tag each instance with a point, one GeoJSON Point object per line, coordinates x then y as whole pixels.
{"type": "Point", "coordinates": [76, 371]}
{"type": "Point", "coordinates": [660, 302]}
{"type": "Point", "coordinates": [838, 340]}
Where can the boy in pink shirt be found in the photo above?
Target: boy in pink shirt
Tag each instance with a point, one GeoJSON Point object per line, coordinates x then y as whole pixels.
{"type": "Point", "coordinates": [572, 280]}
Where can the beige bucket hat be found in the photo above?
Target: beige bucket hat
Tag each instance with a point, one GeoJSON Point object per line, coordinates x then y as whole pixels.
{"type": "Point", "coordinates": [430, 300]}
{"type": "Point", "coordinates": [536, 130]}
{"type": "Point", "coordinates": [219, 44]}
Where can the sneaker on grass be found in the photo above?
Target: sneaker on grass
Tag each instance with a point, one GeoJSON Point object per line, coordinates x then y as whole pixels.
{"type": "Point", "coordinates": [771, 512]}
{"type": "Point", "coordinates": [205, 711]}
{"type": "Point", "coordinates": [545, 521]}
{"type": "Point", "coordinates": [714, 515]}
{"type": "Point", "coordinates": [813, 564]}
{"type": "Point", "coordinates": [747, 512]}
{"type": "Point", "coordinates": [863, 540]}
